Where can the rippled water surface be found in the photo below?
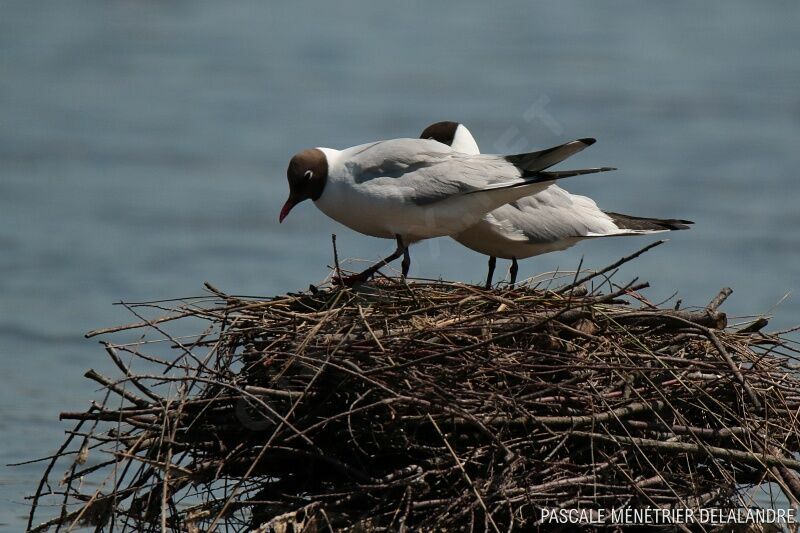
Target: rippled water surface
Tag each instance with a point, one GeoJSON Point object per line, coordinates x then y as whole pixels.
{"type": "Point", "coordinates": [143, 149]}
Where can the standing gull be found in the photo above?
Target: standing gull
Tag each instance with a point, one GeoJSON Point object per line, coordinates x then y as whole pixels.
{"type": "Point", "coordinates": [415, 189]}
{"type": "Point", "coordinates": [545, 221]}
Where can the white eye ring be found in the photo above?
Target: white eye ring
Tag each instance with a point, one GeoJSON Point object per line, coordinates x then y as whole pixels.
{"type": "Point", "coordinates": [308, 175]}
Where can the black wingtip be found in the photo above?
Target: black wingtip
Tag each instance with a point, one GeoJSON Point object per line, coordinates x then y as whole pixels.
{"type": "Point", "coordinates": [653, 224]}
{"type": "Point", "coordinates": [588, 141]}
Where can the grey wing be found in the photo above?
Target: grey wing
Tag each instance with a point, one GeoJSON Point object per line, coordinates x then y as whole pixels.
{"type": "Point", "coordinates": [425, 171]}
{"type": "Point", "coordinates": [555, 214]}
{"type": "Point", "coordinates": [392, 159]}
{"type": "Point", "coordinates": [464, 174]}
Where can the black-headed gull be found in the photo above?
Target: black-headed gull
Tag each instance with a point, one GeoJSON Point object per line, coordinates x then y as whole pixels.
{"type": "Point", "coordinates": [414, 189]}
{"type": "Point", "coordinates": [548, 220]}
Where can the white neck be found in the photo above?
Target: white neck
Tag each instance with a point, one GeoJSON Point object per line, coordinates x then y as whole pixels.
{"type": "Point", "coordinates": [464, 142]}
{"type": "Point", "coordinates": [330, 154]}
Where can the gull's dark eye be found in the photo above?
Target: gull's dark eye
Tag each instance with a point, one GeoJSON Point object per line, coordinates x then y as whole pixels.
{"type": "Point", "coordinates": [308, 175]}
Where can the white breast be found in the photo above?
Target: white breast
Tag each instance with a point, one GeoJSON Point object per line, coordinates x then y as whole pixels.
{"type": "Point", "coordinates": [352, 205]}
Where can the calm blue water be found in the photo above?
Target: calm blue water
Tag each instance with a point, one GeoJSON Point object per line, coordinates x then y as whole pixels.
{"type": "Point", "coordinates": [143, 149]}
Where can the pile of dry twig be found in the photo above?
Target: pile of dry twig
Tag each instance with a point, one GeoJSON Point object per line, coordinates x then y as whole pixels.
{"type": "Point", "coordinates": [432, 405]}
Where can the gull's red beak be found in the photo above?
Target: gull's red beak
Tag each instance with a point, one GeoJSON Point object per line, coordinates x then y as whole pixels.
{"type": "Point", "coordinates": [286, 208]}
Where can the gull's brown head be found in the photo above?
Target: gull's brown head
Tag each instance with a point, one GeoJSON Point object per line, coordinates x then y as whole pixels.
{"type": "Point", "coordinates": [307, 175]}
{"type": "Point", "coordinates": [444, 132]}
{"type": "Point", "coordinates": [454, 135]}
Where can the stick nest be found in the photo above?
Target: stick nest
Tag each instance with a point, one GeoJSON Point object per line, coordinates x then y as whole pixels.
{"type": "Point", "coordinates": [424, 405]}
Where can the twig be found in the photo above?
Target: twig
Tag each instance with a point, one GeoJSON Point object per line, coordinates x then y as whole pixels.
{"type": "Point", "coordinates": [610, 267]}
{"type": "Point", "coordinates": [685, 447]}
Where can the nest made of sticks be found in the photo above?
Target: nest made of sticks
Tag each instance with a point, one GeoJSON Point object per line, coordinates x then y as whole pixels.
{"type": "Point", "coordinates": [426, 405]}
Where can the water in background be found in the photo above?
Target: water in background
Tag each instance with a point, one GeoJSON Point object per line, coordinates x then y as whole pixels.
{"type": "Point", "coordinates": [143, 149]}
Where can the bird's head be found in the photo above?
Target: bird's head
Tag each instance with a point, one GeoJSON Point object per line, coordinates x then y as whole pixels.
{"type": "Point", "coordinates": [307, 175]}
{"type": "Point", "coordinates": [454, 135]}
